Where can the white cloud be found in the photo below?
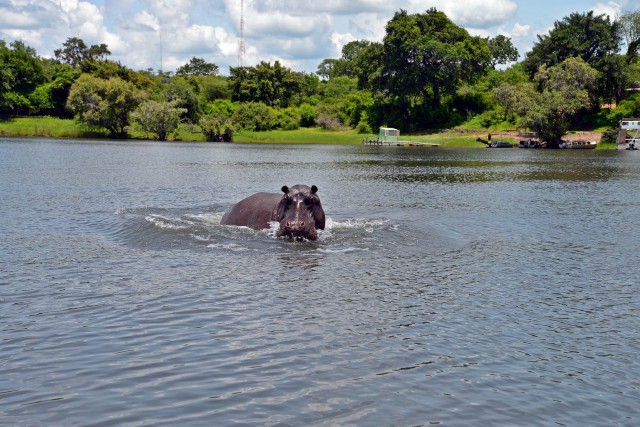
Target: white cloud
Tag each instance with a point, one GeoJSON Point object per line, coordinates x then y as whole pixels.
{"type": "Point", "coordinates": [480, 13]}
{"type": "Point", "coordinates": [172, 14]}
{"type": "Point", "coordinates": [339, 40]}
{"type": "Point", "coordinates": [612, 9]}
{"type": "Point", "coordinates": [141, 22]}
{"type": "Point", "coordinates": [299, 33]}
{"type": "Point", "coordinates": [314, 7]}
{"type": "Point", "coordinates": [520, 31]}
{"type": "Point", "coordinates": [17, 20]}
{"type": "Point", "coordinates": [472, 13]}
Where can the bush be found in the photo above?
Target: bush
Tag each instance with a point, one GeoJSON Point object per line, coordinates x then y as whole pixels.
{"type": "Point", "coordinates": [308, 115]}
{"type": "Point", "coordinates": [254, 116]}
{"type": "Point", "coordinates": [328, 122]}
{"type": "Point", "coordinates": [286, 119]}
{"type": "Point", "coordinates": [490, 118]}
{"type": "Point", "coordinates": [331, 109]}
{"type": "Point", "coordinates": [610, 136]}
{"type": "Point", "coordinates": [220, 107]}
{"type": "Point", "coordinates": [629, 107]}
{"type": "Point", "coordinates": [353, 106]}
{"type": "Point", "coordinates": [363, 127]}
{"type": "Point", "coordinates": [217, 129]}
{"type": "Point", "coordinates": [158, 118]}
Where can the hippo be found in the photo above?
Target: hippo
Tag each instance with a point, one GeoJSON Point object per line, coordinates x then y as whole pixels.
{"type": "Point", "coordinates": [298, 211]}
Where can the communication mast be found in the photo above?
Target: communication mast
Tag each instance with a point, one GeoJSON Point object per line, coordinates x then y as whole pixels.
{"type": "Point", "coordinates": [241, 41]}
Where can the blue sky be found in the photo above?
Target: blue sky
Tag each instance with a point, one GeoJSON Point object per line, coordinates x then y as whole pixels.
{"type": "Point", "coordinates": [300, 33]}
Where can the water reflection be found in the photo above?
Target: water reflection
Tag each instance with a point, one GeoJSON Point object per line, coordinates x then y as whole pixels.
{"type": "Point", "coordinates": [506, 168]}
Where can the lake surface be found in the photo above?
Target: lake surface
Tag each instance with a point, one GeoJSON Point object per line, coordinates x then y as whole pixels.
{"type": "Point", "coordinates": [452, 286]}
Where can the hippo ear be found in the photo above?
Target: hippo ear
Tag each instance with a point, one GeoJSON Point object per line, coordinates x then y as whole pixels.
{"type": "Point", "coordinates": [285, 189]}
{"type": "Point", "coordinates": [314, 189]}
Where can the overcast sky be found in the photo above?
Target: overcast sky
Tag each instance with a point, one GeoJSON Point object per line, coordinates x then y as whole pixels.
{"type": "Point", "coordinates": [144, 34]}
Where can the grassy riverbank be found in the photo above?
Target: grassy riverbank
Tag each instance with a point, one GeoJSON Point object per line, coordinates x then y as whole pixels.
{"type": "Point", "coordinates": [49, 127]}
{"type": "Point", "coordinates": [66, 128]}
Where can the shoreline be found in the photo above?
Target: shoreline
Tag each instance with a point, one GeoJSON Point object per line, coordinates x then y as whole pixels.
{"type": "Point", "coordinates": [51, 127]}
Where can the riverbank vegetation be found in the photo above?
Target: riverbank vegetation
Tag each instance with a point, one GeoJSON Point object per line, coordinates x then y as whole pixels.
{"type": "Point", "coordinates": [427, 76]}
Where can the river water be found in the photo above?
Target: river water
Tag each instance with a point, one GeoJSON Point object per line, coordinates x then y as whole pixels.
{"type": "Point", "coordinates": [452, 286]}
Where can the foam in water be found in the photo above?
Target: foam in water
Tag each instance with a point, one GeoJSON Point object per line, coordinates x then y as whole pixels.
{"type": "Point", "coordinates": [228, 246]}
{"type": "Point", "coordinates": [166, 223]}
{"type": "Point", "coordinates": [357, 224]}
{"type": "Point", "coordinates": [210, 218]}
{"type": "Point", "coordinates": [341, 250]}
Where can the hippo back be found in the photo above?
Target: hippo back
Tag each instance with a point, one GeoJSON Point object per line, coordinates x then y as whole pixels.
{"type": "Point", "coordinates": [254, 212]}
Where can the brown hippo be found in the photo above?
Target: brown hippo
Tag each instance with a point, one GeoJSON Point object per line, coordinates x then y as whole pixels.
{"type": "Point", "coordinates": [298, 211]}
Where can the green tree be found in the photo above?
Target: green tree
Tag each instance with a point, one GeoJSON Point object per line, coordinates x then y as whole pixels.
{"type": "Point", "coordinates": [354, 105]}
{"type": "Point", "coordinates": [630, 30]}
{"type": "Point", "coordinates": [325, 68]}
{"type": "Point", "coordinates": [6, 74]}
{"type": "Point", "coordinates": [509, 97]}
{"type": "Point", "coordinates": [51, 96]}
{"type": "Point", "coordinates": [338, 87]}
{"type": "Point", "coordinates": [75, 52]}
{"type": "Point", "coordinates": [184, 92]}
{"type": "Point", "coordinates": [21, 71]}
{"type": "Point", "coordinates": [350, 63]}
{"type": "Point", "coordinates": [564, 92]}
{"type": "Point", "coordinates": [214, 87]}
{"type": "Point", "coordinates": [104, 103]}
{"type": "Point", "coordinates": [273, 85]}
{"type": "Point", "coordinates": [592, 38]}
{"type": "Point", "coordinates": [197, 67]}
{"type": "Point", "coordinates": [502, 50]}
{"type": "Point", "coordinates": [479, 99]}
{"type": "Point", "coordinates": [159, 118]}
{"type": "Point", "coordinates": [370, 66]}
{"type": "Point", "coordinates": [426, 58]}
{"type": "Point", "coordinates": [360, 59]}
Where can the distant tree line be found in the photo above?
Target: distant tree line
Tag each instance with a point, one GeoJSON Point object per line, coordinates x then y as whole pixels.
{"type": "Point", "coordinates": [426, 73]}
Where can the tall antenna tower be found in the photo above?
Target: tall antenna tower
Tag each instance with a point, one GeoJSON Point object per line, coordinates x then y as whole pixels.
{"type": "Point", "coordinates": [241, 41]}
{"type": "Point", "coordinates": [160, 34]}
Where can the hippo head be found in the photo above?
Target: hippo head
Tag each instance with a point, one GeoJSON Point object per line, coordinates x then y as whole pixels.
{"type": "Point", "coordinates": [300, 212]}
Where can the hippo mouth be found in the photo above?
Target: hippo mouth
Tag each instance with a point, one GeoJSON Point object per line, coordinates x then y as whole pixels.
{"type": "Point", "coordinates": [297, 230]}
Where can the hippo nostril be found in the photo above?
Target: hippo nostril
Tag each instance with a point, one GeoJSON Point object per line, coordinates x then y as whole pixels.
{"type": "Point", "coordinates": [295, 225]}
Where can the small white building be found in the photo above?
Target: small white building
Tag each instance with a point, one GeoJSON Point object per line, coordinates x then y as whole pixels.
{"type": "Point", "coordinates": [628, 133]}
{"type": "Point", "coordinates": [389, 135]}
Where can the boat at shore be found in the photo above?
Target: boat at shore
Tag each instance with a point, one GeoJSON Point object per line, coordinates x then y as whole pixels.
{"type": "Point", "coordinates": [529, 143]}
{"type": "Point", "coordinates": [628, 134]}
{"type": "Point", "coordinates": [390, 137]}
{"type": "Point", "coordinates": [495, 144]}
{"type": "Point", "coordinates": [579, 144]}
